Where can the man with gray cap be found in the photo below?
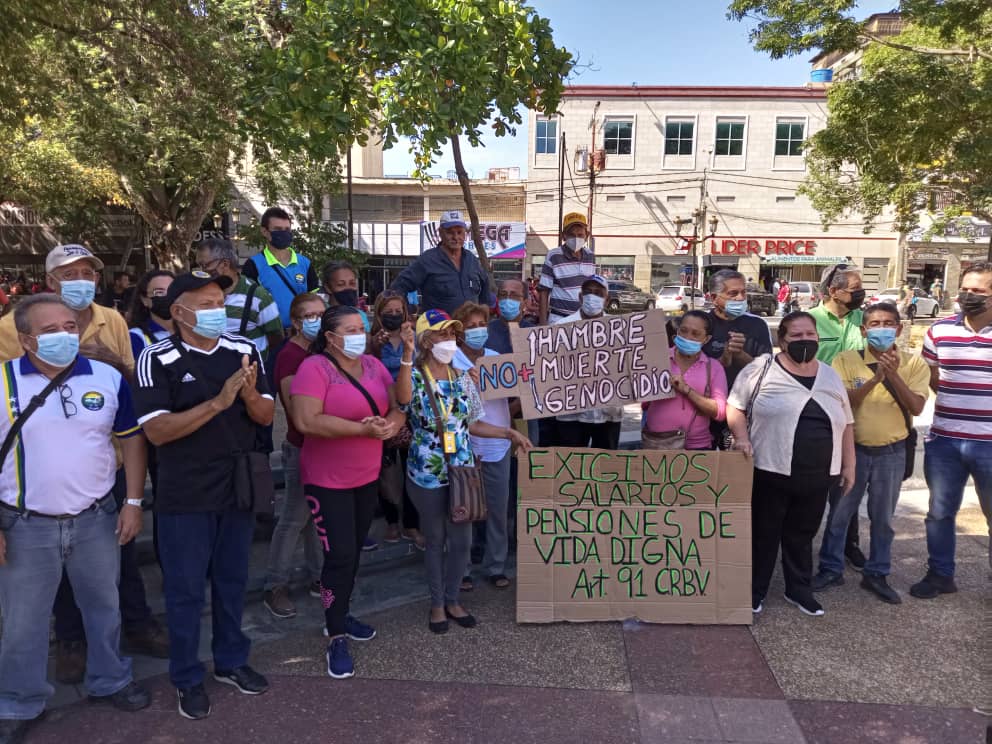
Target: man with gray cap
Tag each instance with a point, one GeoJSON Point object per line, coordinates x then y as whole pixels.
{"type": "Point", "coordinates": [447, 276]}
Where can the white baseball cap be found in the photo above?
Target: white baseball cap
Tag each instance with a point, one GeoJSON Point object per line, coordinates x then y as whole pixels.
{"type": "Point", "coordinates": [63, 255]}
{"type": "Point", "coordinates": [453, 219]}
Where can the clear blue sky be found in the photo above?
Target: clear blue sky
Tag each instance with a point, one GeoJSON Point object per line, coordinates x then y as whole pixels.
{"type": "Point", "coordinates": [648, 42]}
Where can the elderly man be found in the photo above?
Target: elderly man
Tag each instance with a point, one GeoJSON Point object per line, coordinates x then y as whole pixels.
{"type": "Point", "coordinates": [565, 270]}
{"type": "Point", "coordinates": [201, 396]}
{"type": "Point", "coordinates": [251, 311]}
{"type": "Point", "coordinates": [57, 512]}
{"type": "Point", "coordinates": [449, 275]}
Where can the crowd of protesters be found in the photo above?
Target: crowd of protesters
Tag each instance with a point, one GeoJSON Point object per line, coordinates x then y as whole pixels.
{"type": "Point", "coordinates": [380, 404]}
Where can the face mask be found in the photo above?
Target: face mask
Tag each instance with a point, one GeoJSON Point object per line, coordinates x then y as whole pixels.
{"type": "Point", "coordinates": [160, 307]}
{"type": "Point", "coordinates": [210, 323]}
{"type": "Point", "coordinates": [881, 338]}
{"type": "Point", "coordinates": [77, 293]}
{"type": "Point", "coordinates": [972, 304]}
{"type": "Point", "coordinates": [392, 321]}
{"type": "Point", "coordinates": [476, 337]}
{"type": "Point", "coordinates": [857, 299]}
{"type": "Point", "coordinates": [802, 351]}
{"type": "Point", "coordinates": [281, 238]}
{"type": "Point", "coordinates": [310, 328]}
{"type": "Point", "coordinates": [509, 309]}
{"type": "Point", "coordinates": [354, 345]}
{"type": "Point", "coordinates": [58, 349]}
{"type": "Point", "coordinates": [346, 297]}
{"type": "Point", "coordinates": [735, 308]}
{"type": "Point", "coordinates": [592, 304]}
{"type": "Point", "coordinates": [687, 346]}
{"type": "Point", "coordinates": [575, 244]}
{"type": "Point", "coordinates": [444, 351]}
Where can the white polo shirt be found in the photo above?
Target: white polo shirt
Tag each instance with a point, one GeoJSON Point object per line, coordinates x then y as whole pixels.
{"type": "Point", "coordinates": [63, 458]}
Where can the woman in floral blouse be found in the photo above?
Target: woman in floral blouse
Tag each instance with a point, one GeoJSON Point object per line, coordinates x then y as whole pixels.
{"type": "Point", "coordinates": [460, 407]}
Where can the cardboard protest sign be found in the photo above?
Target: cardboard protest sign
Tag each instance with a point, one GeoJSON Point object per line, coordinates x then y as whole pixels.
{"type": "Point", "coordinates": [661, 536]}
{"type": "Point", "coordinates": [570, 367]}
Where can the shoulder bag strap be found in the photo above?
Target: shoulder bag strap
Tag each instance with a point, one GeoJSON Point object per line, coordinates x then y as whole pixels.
{"type": "Point", "coordinates": [177, 342]}
{"type": "Point", "coordinates": [757, 389]}
{"type": "Point", "coordinates": [906, 417]}
{"type": "Point", "coordinates": [36, 402]}
{"type": "Point", "coordinates": [279, 270]}
{"type": "Point", "coordinates": [248, 300]}
{"type": "Point", "coordinates": [357, 384]}
{"type": "Point", "coordinates": [437, 416]}
{"type": "Point", "coordinates": [706, 394]}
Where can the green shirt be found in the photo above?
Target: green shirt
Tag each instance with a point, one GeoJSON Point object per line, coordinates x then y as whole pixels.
{"type": "Point", "coordinates": [837, 334]}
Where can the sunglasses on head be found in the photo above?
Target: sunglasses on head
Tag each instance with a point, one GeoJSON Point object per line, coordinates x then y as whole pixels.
{"type": "Point", "coordinates": [833, 272]}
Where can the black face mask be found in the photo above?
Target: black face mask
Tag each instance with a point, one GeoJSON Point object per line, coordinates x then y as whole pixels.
{"type": "Point", "coordinates": [802, 351]}
{"type": "Point", "coordinates": [392, 321]}
{"type": "Point", "coordinates": [347, 297]}
{"type": "Point", "coordinates": [972, 304]}
{"type": "Point", "coordinates": [857, 299]}
{"type": "Point", "coordinates": [160, 307]}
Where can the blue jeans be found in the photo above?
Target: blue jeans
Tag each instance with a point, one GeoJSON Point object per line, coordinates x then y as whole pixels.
{"type": "Point", "coordinates": [879, 472]}
{"type": "Point", "coordinates": [38, 548]}
{"type": "Point", "coordinates": [947, 463]}
{"type": "Point", "coordinates": [196, 546]}
{"type": "Point", "coordinates": [295, 521]}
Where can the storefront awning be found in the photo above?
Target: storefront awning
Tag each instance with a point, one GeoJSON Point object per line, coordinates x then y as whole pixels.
{"type": "Point", "coordinates": [796, 260]}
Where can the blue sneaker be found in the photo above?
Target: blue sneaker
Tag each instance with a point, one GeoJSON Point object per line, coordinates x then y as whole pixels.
{"type": "Point", "coordinates": [356, 630]}
{"type": "Point", "coordinates": [369, 544]}
{"type": "Point", "coordinates": [339, 663]}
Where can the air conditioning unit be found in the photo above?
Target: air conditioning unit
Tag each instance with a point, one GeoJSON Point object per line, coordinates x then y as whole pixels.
{"type": "Point", "coordinates": [582, 160]}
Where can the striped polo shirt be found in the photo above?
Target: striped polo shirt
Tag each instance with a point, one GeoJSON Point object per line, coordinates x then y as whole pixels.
{"type": "Point", "coordinates": [564, 275]}
{"type": "Point", "coordinates": [964, 393]}
{"type": "Point", "coordinates": [263, 315]}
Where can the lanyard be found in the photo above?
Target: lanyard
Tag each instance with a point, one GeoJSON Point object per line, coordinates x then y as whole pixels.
{"type": "Point", "coordinates": [445, 410]}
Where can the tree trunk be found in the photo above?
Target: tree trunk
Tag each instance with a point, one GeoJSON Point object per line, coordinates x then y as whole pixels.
{"type": "Point", "coordinates": [173, 226]}
{"type": "Point", "coordinates": [473, 214]}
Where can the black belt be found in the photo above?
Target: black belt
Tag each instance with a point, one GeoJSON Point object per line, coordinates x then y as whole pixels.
{"type": "Point", "coordinates": [31, 513]}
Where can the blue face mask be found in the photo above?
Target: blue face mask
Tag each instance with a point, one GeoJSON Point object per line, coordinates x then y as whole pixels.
{"type": "Point", "coordinates": [735, 308]}
{"type": "Point", "coordinates": [77, 293]}
{"type": "Point", "coordinates": [210, 323]}
{"type": "Point", "coordinates": [58, 349]}
{"type": "Point", "coordinates": [354, 345]}
{"type": "Point", "coordinates": [881, 338]}
{"type": "Point", "coordinates": [688, 346]}
{"type": "Point", "coordinates": [311, 327]}
{"type": "Point", "coordinates": [509, 309]}
{"type": "Point", "coordinates": [281, 238]}
{"type": "Point", "coordinates": [476, 337]}
{"type": "Point", "coordinates": [592, 305]}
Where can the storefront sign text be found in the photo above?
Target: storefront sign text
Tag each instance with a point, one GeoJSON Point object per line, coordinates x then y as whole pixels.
{"type": "Point", "coordinates": [731, 247]}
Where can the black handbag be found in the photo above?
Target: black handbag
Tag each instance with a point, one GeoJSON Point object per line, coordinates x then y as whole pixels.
{"type": "Point", "coordinates": [252, 481]}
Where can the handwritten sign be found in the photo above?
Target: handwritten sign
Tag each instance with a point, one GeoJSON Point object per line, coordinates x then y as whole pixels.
{"type": "Point", "coordinates": [662, 536]}
{"type": "Point", "coordinates": [570, 367]}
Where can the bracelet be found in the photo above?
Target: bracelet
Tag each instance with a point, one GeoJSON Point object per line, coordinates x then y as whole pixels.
{"type": "Point", "coordinates": [133, 502]}
{"type": "Point", "coordinates": [406, 363]}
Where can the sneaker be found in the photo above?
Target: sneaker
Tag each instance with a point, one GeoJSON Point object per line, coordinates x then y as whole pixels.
{"type": "Point", "coordinates": [392, 534]}
{"type": "Point", "coordinates": [150, 640]}
{"type": "Point", "coordinates": [825, 580]}
{"type": "Point", "coordinates": [877, 584]}
{"type": "Point", "coordinates": [807, 605]}
{"type": "Point", "coordinates": [369, 544]}
{"type": "Point", "coordinates": [932, 585]}
{"type": "Point", "coordinates": [356, 630]}
{"type": "Point", "coordinates": [855, 557]}
{"type": "Point", "coordinates": [130, 698]}
{"type": "Point", "coordinates": [313, 589]}
{"type": "Point", "coordinates": [277, 601]}
{"type": "Point", "coordinates": [757, 605]}
{"type": "Point", "coordinates": [339, 663]}
{"type": "Point", "coordinates": [193, 702]}
{"type": "Point", "coordinates": [70, 662]}
{"type": "Point", "coordinates": [246, 679]}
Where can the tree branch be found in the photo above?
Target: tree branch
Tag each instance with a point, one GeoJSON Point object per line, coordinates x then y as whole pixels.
{"type": "Point", "coordinates": [970, 54]}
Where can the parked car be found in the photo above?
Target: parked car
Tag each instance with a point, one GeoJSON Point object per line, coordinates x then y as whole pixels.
{"type": "Point", "coordinates": [759, 301]}
{"type": "Point", "coordinates": [805, 294]}
{"type": "Point", "coordinates": [626, 298]}
{"type": "Point", "coordinates": [677, 298]}
{"type": "Point", "coordinates": [923, 305]}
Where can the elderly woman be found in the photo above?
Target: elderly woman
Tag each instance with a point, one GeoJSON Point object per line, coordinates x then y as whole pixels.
{"type": "Point", "coordinates": [791, 414]}
{"type": "Point", "coordinates": [434, 384]}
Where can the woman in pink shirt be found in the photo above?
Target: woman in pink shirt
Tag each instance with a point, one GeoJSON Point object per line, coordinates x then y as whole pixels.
{"type": "Point", "coordinates": [700, 386]}
{"type": "Point", "coordinates": [344, 406]}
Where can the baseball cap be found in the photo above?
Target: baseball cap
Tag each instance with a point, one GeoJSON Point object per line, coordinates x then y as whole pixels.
{"type": "Point", "coordinates": [435, 320]}
{"type": "Point", "coordinates": [573, 218]}
{"type": "Point", "coordinates": [63, 255]}
{"type": "Point", "coordinates": [453, 219]}
{"type": "Point", "coordinates": [193, 281]}
{"type": "Point", "coordinates": [597, 279]}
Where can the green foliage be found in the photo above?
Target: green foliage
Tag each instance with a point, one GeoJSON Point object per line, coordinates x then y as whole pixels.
{"type": "Point", "coordinates": [322, 242]}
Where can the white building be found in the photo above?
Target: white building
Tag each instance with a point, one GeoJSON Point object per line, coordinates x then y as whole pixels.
{"type": "Point", "coordinates": [670, 151]}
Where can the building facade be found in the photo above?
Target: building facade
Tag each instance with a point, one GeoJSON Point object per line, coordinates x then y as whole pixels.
{"type": "Point", "coordinates": [637, 160]}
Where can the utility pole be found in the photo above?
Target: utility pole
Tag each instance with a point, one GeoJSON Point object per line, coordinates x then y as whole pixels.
{"type": "Point", "coordinates": [351, 218]}
{"type": "Point", "coordinates": [592, 169]}
{"type": "Point", "coordinates": [699, 235]}
{"type": "Point", "coordinates": [561, 185]}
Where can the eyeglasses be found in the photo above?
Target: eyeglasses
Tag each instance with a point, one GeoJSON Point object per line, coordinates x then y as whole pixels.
{"type": "Point", "coordinates": [68, 407]}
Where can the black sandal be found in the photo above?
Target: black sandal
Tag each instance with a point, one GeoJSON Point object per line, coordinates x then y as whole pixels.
{"type": "Point", "coordinates": [467, 584]}
{"type": "Point", "coordinates": [500, 581]}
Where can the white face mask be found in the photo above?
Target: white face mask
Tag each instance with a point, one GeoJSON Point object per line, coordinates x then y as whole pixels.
{"type": "Point", "coordinates": [444, 351]}
{"type": "Point", "coordinates": [592, 304]}
{"type": "Point", "coordinates": [575, 244]}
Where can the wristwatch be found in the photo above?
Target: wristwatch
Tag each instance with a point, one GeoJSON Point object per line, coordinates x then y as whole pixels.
{"type": "Point", "coordinates": [133, 502]}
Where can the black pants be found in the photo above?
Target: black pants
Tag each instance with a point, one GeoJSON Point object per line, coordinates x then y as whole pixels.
{"type": "Point", "coordinates": [135, 612]}
{"type": "Point", "coordinates": [851, 541]}
{"type": "Point", "coordinates": [392, 512]}
{"type": "Point", "coordinates": [342, 518]}
{"type": "Point", "coordinates": [785, 510]}
{"type": "Point", "coordinates": [579, 434]}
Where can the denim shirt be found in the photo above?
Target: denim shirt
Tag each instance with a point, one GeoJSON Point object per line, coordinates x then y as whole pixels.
{"type": "Point", "coordinates": [441, 286]}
